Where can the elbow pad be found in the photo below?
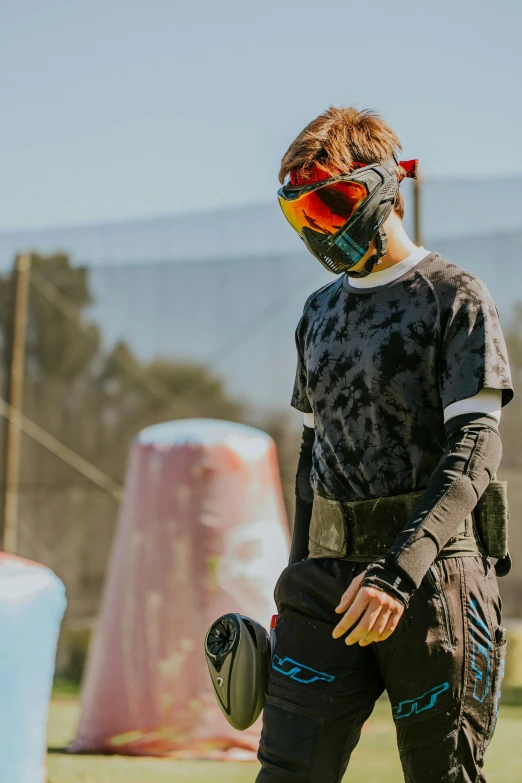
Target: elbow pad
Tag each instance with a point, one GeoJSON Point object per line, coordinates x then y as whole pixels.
{"type": "Point", "coordinates": [470, 460]}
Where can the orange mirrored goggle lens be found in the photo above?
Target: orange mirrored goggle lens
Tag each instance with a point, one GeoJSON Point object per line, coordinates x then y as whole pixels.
{"type": "Point", "coordinates": [325, 209]}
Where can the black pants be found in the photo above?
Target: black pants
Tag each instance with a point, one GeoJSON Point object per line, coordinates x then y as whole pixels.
{"type": "Point", "coordinates": [442, 669]}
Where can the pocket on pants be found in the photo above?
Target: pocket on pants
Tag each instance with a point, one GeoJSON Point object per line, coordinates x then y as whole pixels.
{"type": "Point", "coordinates": [443, 607]}
{"type": "Point", "coordinates": [298, 702]}
{"type": "Point", "coordinates": [485, 669]}
{"type": "Point", "coordinates": [288, 741]}
{"type": "Point", "coordinates": [425, 719]}
{"type": "Point", "coordinates": [499, 661]}
{"type": "Point", "coordinates": [293, 718]}
{"type": "Point", "coordinates": [299, 677]}
{"type": "Point", "coordinates": [296, 698]}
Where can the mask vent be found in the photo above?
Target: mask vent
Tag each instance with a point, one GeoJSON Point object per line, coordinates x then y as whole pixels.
{"type": "Point", "coordinates": [330, 256]}
{"type": "Point", "coordinates": [221, 637]}
{"type": "Point", "coordinates": [390, 190]}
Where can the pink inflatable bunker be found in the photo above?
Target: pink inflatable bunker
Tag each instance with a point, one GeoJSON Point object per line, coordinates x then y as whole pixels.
{"type": "Point", "coordinates": [202, 532]}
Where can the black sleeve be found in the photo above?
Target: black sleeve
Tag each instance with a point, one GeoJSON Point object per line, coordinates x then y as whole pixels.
{"type": "Point", "coordinates": [473, 354]}
{"type": "Point", "coordinates": [304, 497]}
{"type": "Point", "coordinates": [470, 460]}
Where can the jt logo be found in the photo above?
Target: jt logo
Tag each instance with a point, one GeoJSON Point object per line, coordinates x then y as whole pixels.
{"type": "Point", "coordinates": [480, 658]}
{"type": "Point", "coordinates": [421, 703]}
{"type": "Point", "coordinates": [298, 671]}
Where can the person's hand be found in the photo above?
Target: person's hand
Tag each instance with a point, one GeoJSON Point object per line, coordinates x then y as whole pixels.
{"type": "Point", "coordinates": [378, 611]}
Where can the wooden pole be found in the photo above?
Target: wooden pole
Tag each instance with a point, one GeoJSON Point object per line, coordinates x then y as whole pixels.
{"type": "Point", "coordinates": [417, 208]}
{"type": "Point", "coordinates": [16, 390]}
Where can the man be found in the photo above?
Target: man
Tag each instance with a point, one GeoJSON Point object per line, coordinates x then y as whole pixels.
{"type": "Point", "coordinates": [402, 372]}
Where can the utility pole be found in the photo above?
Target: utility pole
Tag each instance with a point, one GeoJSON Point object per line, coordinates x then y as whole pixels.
{"type": "Point", "coordinates": [16, 390]}
{"type": "Point", "coordinates": [417, 208]}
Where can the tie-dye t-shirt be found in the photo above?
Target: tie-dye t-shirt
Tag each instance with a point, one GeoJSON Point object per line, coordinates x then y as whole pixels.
{"type": "Point", "coordinates": [377, 367]}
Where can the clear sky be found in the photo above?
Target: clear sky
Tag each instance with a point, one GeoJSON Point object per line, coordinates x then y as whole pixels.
{"type": "Point", "coordinates": [113, 109]}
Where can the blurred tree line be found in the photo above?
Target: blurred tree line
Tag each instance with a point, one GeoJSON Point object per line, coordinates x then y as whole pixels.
{"type": "Point", "coordinates": [95, 397]}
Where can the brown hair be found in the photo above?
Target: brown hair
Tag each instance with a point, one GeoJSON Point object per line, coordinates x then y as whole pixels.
{"type": "Point", "coordinates": [338, 138]}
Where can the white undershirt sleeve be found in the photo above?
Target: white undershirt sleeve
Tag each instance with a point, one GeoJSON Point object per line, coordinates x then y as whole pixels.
{"type": "Point", "coordinates": [308, 420]}
{"type": "Point", "coordinates": [486, 401]}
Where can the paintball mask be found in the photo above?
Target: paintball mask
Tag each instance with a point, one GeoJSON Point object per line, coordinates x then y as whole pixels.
{"type": "Point", "coordinates": [337, 217]}
{"type": "Point", "coordinates": [237, 650]}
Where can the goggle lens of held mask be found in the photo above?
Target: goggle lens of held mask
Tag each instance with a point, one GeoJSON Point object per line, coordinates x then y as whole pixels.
{"type": "Point", "coordinates": [337, 217]}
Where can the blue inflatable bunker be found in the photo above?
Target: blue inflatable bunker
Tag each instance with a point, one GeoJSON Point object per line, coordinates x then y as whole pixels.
{"type": "Point", "coordinates": [32, 603]}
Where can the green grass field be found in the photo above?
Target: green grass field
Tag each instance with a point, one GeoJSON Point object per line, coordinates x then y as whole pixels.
{"type": "Point", "coordinates": [375, 759]}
